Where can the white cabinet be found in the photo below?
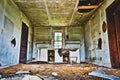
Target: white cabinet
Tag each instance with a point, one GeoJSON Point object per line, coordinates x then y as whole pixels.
{"type": "Point", "coordinates": [52, 55]}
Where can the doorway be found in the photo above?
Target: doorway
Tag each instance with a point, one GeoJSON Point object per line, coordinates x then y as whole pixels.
{"type": "Point", "coordinates": [24, 43]}
{"type": "Point", "coordinates": [113, 19]}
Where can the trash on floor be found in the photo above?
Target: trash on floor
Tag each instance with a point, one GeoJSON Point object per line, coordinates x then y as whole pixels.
{"type": "Point", "coordinates": [102, 74]}
{"type": "Point", "coordinates": [30, 77]}
{"type": "Point", "coordinates": [22, 72]}
{"type": "Point", "coordinates": [50, 71]}
{"type": "Point", "coordinates": [54, 73]}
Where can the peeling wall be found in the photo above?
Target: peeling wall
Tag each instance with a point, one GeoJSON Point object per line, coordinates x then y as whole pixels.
{"type": "Point", "coordinates": [93, 32]}
{"type": "Point", "coordinates": [11, 19]}
{"type": "Point", "coordinates": [43, 37]}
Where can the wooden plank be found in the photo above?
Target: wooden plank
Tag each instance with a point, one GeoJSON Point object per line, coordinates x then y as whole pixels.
{"type": "Point", "coordinates": [87, 7]}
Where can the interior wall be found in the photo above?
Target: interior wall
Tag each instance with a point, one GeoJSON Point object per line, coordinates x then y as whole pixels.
{"type": "Point", "coordinates": [11, 19]}
{"type": "Point", "coordinates": [73, 38]}
{"type": "Point", "coordinates": [94, 32]}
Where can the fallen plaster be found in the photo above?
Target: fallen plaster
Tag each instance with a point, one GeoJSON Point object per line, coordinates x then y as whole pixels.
{"type": "Point", "coordinates": [102, 74]}
{"type": "Point", "coordinates": [23, 72]}
{"type": "Point", "coordinates": [30, 77]}
{"type": "Point", "coordinates": [25, 77]}
{"type": "Point", "coordinates": [50, 71]}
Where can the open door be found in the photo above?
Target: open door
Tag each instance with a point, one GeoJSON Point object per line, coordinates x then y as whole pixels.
{"type": "Point", "coordinates": [113, 19]}
{"type": "Point", "coordinates": [24, 43]}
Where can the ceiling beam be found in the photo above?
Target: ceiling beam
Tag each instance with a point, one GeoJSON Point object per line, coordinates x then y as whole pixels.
{"type": "Point", "coordinates": [47, 11]}
{"type": "Point", "coordinates": [75, 9]}
{"type": "Point", "coordinates": [87, 7]}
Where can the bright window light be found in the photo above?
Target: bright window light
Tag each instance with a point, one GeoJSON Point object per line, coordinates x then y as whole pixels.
{"type": "Point", "coordinates": [58, 40]}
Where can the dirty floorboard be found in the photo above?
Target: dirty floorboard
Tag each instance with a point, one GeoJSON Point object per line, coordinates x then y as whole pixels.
{"type": "Point", "coordinates": [59, 71]}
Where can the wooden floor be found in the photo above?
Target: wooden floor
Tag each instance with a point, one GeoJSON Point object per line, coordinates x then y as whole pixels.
{"type": "Point", "coordinates": [63, 71]}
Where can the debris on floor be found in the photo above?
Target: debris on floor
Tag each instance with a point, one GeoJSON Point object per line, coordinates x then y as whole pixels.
{"type": "Point", "coordinates": [69, 65]}
{"type": "Point", "coordinates": [51, 71]}
{"type": "Point", "coordinates": [22, 72]}
{"type": "Point", "coordinates": [47, 77]}
{"type": "Point", "coordinates": [25, 77]}
{"type": "Point", "coordinates": [54, 74]}
{"type": "Point", "coordinates": [115, 72]}
{"type": "Point", "coordinates": [102, 74]}
{"type": "Point", "coordinates": [12, 78]}
{"type": "Point", "coordinates": [30, 77]}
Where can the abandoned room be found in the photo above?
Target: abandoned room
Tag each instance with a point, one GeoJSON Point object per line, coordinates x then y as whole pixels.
{"type": "Point", "coordinates": [59, 39]}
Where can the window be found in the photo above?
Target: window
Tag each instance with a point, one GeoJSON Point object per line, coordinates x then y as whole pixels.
{"type": "Point", "coordinates": [58, 40]}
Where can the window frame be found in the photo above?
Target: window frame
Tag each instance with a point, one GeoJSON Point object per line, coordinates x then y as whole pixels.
{"type": "Point", "coordinates": [61, 31]}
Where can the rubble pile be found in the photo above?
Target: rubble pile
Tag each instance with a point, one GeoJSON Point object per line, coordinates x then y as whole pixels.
{"type": "Point", "coordinates": [50, 71]}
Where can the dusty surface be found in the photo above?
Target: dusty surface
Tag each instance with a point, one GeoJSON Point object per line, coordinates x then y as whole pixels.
{"type": "Point", "coordinates": [115, 72]}
{"type": "Point", "coordinates": [64, 71]}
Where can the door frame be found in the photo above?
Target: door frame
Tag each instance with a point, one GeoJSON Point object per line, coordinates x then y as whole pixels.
{"type": "Point", "coordinates": [113, 33]}
{"type": "Point", "coordinates": [23, 44]}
